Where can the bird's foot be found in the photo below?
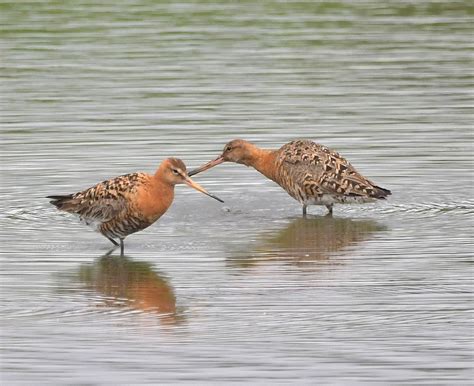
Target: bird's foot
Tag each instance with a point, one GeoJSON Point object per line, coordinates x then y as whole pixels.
{"type": "Point", "coordinates": [329, 213]}
{"type": "Point", "coordinates": [110, 251]}
{"type": "Point", "coordinates": [304, 211]}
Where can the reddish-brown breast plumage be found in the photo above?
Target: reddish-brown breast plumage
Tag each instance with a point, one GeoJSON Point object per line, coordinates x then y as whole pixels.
{"type": "Point", "coordinates": [126, 204]}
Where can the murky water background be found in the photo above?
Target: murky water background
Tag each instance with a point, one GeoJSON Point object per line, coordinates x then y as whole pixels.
{"type": "Point", "coordinates": [246, 290]}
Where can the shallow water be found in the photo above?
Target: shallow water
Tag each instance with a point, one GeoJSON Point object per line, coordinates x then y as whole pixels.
{"type": "Point", "coordinates": [246, 290]}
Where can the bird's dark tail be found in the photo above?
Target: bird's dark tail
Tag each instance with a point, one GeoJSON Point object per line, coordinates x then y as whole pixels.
{"type": "Point", "coordinates": [59, 201]}
{"type": "Point", "coordinates": [381, 193]}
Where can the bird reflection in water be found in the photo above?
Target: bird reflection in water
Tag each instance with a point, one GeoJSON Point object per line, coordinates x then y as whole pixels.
{"type": "Point", "coordinates": [133, 284]}
{"type": "Point", "coordinates": [306, 240]}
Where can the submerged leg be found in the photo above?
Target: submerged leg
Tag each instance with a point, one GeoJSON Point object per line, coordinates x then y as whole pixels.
{"type": "Point", "coordinates": [121, 247]}
{"type": "Point", "coordinates": [329, 209]}
{"type": "Point", "coordinates": [304, 210]}
{"type": "Point", "coordinates": [113, 241]}
{"type": "Point", "coordinates": [110, 251]}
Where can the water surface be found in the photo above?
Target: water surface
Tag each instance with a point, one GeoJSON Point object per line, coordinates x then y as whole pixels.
{"type": "Point", "coordinates": [246, 290]}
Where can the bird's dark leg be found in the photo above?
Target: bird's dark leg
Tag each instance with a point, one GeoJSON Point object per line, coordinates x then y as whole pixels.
{"type": "Point", "coordinates": [329, 210]}
{"type": "Point", "coordinates": [121, 247]}
{"type": "Point", "coordinates": [113, 241]}
{"type": "Point", "coordinates": [110, 251]}
{"type": "Point", "coordinates": [304, 210]}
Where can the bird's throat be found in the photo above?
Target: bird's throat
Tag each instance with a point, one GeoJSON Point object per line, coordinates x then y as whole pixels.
{"type": "Point", "coordinates": [263, 161]}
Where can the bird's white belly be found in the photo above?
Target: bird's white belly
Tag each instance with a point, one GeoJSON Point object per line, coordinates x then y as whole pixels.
{"type": "Point", "coordinates": [330, 199]}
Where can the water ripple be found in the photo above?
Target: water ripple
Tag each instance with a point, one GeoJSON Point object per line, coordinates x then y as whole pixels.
{"type": "Point", "coordinates": [249, 290]}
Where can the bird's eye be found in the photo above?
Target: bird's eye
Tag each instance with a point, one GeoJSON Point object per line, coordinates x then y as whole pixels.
{"type": "Point", "coordinates": [176, 172]}
{"type": "Point", "coordinates": [228, 148]}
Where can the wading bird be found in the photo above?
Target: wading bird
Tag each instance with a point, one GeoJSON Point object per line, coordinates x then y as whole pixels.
{"type": "Point", "coordinates": [130, 203]}
{"type": "Point", "coordinates": [310, 173]}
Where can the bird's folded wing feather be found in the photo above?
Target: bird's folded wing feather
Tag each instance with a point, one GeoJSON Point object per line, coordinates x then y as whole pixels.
{"type": "Point", "coordinates": [102, 210]}
{"type": "Point", "coordinates": [314, 163]}
{"type": "Point", "coordinates": [105, 200]}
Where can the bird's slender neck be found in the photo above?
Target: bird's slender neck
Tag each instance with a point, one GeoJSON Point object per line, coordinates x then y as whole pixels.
{"type": "Point", "coordinates": [160, 185]}
{"type": "Point", "coordinates": [262, 160]}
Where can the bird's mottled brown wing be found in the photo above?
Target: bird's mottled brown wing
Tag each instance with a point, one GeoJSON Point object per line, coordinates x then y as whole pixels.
{"type": "Point", "coordinates": [104, 201]}
{"type": "Point", "coordinates": [322, 171]}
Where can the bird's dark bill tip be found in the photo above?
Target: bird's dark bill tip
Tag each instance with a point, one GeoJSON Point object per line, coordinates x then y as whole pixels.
{"type": "Point", "coordinates": [216, 198]}
{"type": "Point", "coordinates": [193, 172]}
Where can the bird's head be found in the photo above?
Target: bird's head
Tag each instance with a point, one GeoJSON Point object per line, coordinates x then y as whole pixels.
{"type": "Point", "coordinates": [173, 171]}
{"type": "Point", "coordinates": [237, 150]}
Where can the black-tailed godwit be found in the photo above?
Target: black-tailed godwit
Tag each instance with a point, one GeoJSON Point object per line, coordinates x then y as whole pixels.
{"type": "Point", "coordinates": [130, 203]}
{"type": "Point", "coordinates": [311, 173]}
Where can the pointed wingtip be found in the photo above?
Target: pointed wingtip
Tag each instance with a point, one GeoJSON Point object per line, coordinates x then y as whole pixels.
{"type": "Point", "coordinates": [60, 197]}
{"type": "Point", "coordinates": [382, 192]}
{"type": "Point", "coordinates": [58, 200]}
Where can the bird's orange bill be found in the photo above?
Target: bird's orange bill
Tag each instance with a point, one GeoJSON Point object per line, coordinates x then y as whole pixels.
{"type": "Point", "coordinates": [209, 165]}
{"type": "Point", "coordinates": [188, 181]}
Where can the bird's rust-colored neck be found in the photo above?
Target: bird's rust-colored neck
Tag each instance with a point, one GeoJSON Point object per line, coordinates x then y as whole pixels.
{"type": "Point", "coordinates": [157, 197]}
{"type": "Point", "coordinates": [160, 185]}
{"type": "Point", "coordinates": [263, 160]}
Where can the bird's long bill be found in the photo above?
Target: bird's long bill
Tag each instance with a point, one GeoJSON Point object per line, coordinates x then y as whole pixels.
{"type": "Point", "coordinates": [188, 181]}
{"type": "Point", "coordinates": [209, 165]}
